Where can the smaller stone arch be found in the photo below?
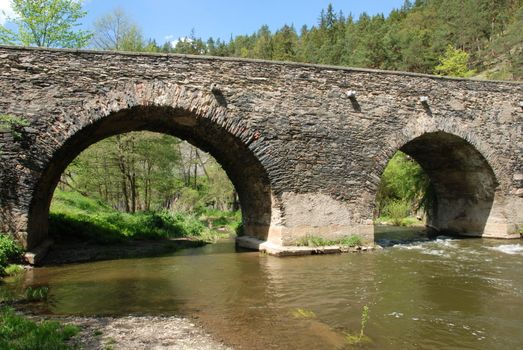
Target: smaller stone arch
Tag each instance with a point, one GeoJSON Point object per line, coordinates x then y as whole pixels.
{"type": "Point", "coordinates": [468, 198]}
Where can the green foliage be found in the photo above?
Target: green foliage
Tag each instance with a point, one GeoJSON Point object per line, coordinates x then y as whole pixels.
{"type": "Point", "coordinates": [33, 294]}
{"type": "Point", "coordinates": [14, 124]}
{"type": "Point", "coordinates": [413, 38]}
{"type": "Point", "coordinates": [303, 313]}
{"type": "Point", "coordinates": [144, 171]}
{"type": "Point", "coordinates": [73, 215]}
{"type": "Point", "coordinates": [19, 333]}
{"type": "Point", "coordinates": [9, 250]}
{"type": "Point", "coordinates": [397, 210]}
{"type": "Point", "coordinates": [315, 241]}
{"type": "Point", "coordinates": [46, 23]}
{"type": "Point", "coordinates": [13, 270]}
{"type": "Point", "coordinates": [454, 62]}
{"type": "Point", "coordinates": [116, 31]}
{"type": "Point", "coordinates": [215, 218]}
{"type": "Point", "coordinates": [360, 338]}
{"type": "Point", "coordinates": [404, 188]}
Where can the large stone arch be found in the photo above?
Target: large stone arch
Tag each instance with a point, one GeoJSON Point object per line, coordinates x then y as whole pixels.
{"type": "Point", "coordinates": [470, 182]}
{"type": "Point", "coordinates": [196, 116]}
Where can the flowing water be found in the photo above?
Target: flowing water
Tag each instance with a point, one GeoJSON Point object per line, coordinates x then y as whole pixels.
{"type": "Point", "coordinates": [426, 294]}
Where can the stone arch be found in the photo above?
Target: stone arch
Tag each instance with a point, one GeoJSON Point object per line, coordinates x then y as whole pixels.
{"type": "Point", "coordinates": [468, 191]}
{"type": "Point", "coordinates": [193, 115]}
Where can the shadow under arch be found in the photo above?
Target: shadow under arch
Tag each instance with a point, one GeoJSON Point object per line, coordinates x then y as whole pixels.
{"type": "Point", "coordinates": [463, 181]}
{"type": "Point", "coordinates": [247, 174]}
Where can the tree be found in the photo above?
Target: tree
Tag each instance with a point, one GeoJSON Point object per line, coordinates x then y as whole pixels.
{"type": "Point", "coordinates": [454, 62]}
{"type": "Point", "coordinates": [284, 44]}
{"type": "Point", "coordinates": [117, 31]}
{"type": "Point", "coordinates": [264, 46]}
{"type": "Point", "coordinates": [46, 23]}
{"type": "Point", "coordinates": [403, 184]}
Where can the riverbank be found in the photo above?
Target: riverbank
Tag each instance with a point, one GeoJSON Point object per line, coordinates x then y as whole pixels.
{"type": "Point", "coordinates": [136, 333]}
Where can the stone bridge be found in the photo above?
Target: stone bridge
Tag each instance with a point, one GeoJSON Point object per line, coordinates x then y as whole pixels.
{"type": "Point", "coordinates": [304, 145]}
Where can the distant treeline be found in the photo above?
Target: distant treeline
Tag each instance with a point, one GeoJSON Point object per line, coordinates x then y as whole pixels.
{"type": "Point", "coordinates": [412, 38]}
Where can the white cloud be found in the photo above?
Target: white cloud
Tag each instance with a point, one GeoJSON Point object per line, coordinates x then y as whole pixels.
{"type": "Point", "coordinates": [5, 10]}
{"type": "Point", "coordinates": [182, 39]}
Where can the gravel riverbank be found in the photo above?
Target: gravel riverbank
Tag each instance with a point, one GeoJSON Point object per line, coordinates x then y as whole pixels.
{"type": "Point", "coordinates": [138, 333]}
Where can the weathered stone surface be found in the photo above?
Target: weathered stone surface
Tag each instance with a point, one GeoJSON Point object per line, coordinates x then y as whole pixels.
{"type": "Point", "coordinates": [305, 157]}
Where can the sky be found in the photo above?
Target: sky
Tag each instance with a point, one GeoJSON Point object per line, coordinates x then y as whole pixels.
{"type": "Point", "coordinates": [168, 20]}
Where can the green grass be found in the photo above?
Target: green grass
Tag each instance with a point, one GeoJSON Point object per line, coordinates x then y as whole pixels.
{"type": "Point", "coordinates": [74, 215]}
{"type": "Point", "coordinates": [19, 333]}
{"type": "Point", "coordinates": [229, 220]}
{"type": "Point", "coordinates": [406, 221]}
{"type": "Point", "coordinates": [315, 241]}
{"type": "Point", "coordinates": [10, 251]}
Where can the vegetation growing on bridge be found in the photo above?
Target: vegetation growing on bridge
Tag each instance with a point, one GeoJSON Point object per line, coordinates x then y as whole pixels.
{"type": "Point", "coordinates": [315, 241]}
{"type": "Point", "coordinates": [13, 124]}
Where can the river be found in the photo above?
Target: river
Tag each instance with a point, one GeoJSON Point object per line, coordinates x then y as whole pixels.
{"type": "Point", "coordinates": [424, 294]}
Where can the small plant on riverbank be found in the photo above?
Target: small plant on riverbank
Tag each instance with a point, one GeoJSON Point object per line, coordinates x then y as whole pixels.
{"type": "Point", "coordinates": [397, 210]}
{"type": "Point", "coordinates": [315, 241]}
{"type": "Point", "coordinates": [19, 333]}
{"type": "Point", "coordinates": [10, 250]}
{"type": "Point", "coordinates": [13, 270]}
{"type": "Point", "coordinates": [359, 338]}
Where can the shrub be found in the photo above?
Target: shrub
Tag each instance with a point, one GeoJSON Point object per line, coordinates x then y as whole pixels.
{"type": "Point", "coordinates": [9, 250]}
{"type": "Point", "coordinates": [397, 210]}
{"type": "Point", "coordinates": [13, 269]}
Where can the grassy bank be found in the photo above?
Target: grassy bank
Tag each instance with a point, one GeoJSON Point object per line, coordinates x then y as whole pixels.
{"type": "Point", "coordinates": [73, 215]}
{"type": "Point", "coordinates": [20, 333]}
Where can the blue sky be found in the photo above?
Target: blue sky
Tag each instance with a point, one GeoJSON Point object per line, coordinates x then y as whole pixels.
{"type": "Point", "coordinates": [171, 19]}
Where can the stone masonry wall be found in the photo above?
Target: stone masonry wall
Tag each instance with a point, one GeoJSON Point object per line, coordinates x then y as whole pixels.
{"type": "Point", "coordinates": [314, 154]}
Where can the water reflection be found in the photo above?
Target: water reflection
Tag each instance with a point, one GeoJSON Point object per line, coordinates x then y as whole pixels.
{"type": "Point", "coordinates": [431, 294]}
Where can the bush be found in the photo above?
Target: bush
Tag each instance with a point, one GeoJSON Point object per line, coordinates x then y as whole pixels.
{"type": "Point", "coordinates": [19, 333]}
{"type": "Point", "coordinates": [9, 250]}
{"type": "Point", "coordinates": [13, 269]}
{"type": "Point", "coordinates": [397, 210]}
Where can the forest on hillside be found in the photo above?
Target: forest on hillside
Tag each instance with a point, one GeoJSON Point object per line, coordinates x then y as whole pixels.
{"type": "Point", "coordinates": [414, 38]}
